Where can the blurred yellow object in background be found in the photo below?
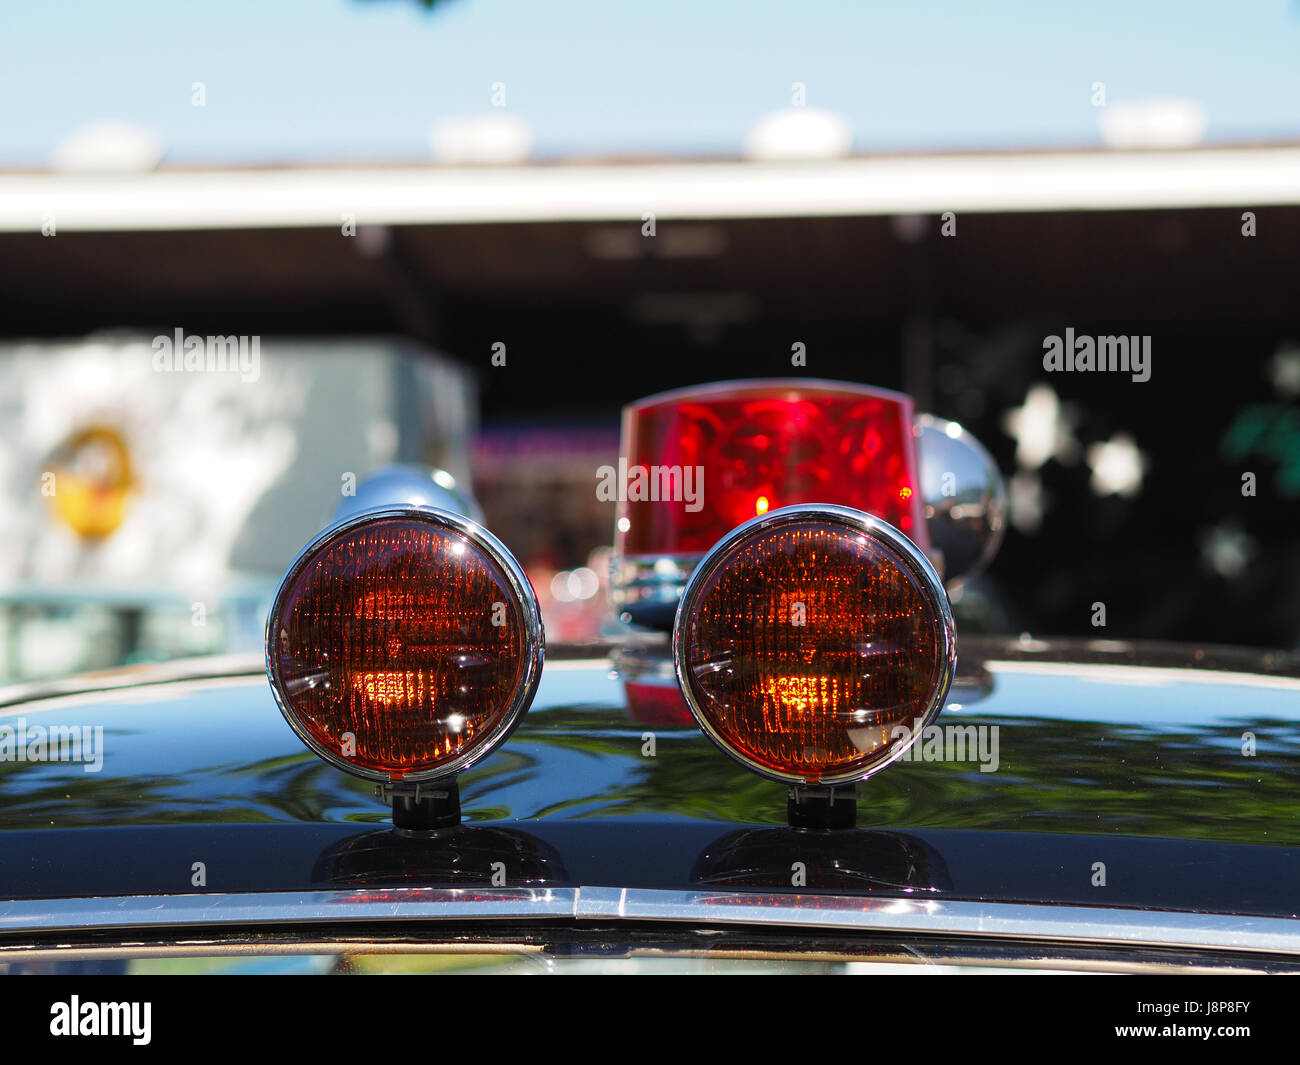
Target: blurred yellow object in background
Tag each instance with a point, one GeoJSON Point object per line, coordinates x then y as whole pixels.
{"type": "Point", "coordinates": [93, 481]}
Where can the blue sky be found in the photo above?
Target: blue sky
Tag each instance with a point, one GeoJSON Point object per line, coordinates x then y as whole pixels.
{"type": "Point", "coordinates": [291, 80]}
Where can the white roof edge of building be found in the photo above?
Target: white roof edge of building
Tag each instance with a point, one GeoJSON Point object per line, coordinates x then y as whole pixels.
{"type": "Point", "coordinates": [254, 198]}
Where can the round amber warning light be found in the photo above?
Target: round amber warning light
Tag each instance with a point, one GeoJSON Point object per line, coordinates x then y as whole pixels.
{"type": "Point", "coordinates": [814, 643]}
{"type": "Point", "coordinates": [404, 644]}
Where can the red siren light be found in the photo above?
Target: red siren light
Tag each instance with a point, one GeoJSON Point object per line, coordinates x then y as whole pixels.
{"type": "Point", "coordinates": [699, 461]}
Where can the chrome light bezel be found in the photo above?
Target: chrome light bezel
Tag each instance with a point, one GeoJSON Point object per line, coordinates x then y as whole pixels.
{"type": "Point", "coordinates": [902, 548]}
{"type": "Point", "coordinates": [534, 634]}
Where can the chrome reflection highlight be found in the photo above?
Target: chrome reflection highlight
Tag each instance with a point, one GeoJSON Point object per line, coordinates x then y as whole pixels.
{"type": "Point", "coordinates": [408, 486]}
{"type": "Point", "coordinates": [646, 592]}
{"type": "Point", "coordinates": [1034, 923]}
{"type": "Point", "coordinates": [964, 495]}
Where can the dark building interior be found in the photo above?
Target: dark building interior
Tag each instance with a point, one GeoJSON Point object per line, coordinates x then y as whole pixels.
{"type": "Point", "coordinates": [594, 315]}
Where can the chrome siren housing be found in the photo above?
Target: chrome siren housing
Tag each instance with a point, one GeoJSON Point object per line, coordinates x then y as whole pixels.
{"type": "Point", "coordinates": [964, 495]}
{"type": "Point", "coordinates": [410, 486]}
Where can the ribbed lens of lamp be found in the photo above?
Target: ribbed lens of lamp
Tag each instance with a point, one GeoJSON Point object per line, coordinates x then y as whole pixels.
{"type": "Point", "coordinates": [804, 646]}
{"type": "Point", "coordinates": [398, 646]}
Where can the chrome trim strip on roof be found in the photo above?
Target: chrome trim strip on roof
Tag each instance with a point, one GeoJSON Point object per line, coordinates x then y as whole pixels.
{"type": "Point", "coordinates": [1015, 921]}
{"type": "Point", "coordinates": [284, 907]}
{"type": "Point", "coordinates": [1124, 673]}
{"type": "Point", "coordinates": [124, 678]}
